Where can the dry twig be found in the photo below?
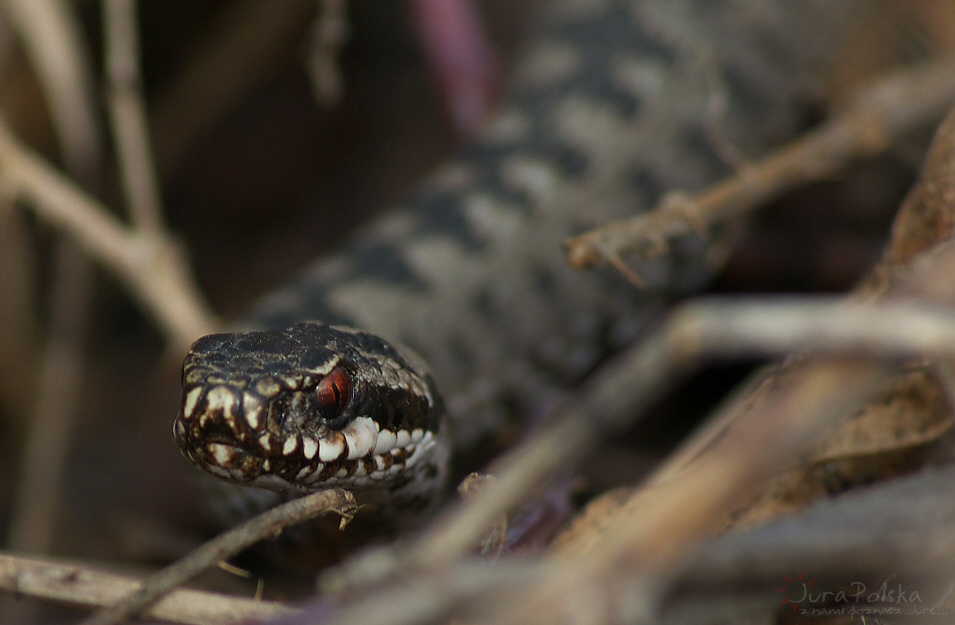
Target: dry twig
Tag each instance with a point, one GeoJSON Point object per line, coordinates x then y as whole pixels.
{"type": "Point", "coordinates": [150, 266]}
{"type": "Point", "coordinates": [128, 116]}
{"type": "Point", "coordinates": [266, 525]}
{"type": "Point", "coordinates": [79, 585]}
{"type": "Point", "coordinates": [696, 487]}
{"type": "Point", "coordinates": [53, 39]}
{"type": "Point", "coordinates": [880, 116]}
{"type": "Point", "coordinates": [652, 533]}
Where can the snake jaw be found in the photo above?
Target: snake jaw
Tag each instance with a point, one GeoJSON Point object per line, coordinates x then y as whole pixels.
{"type": "Point", "coordinates": [310, 407]}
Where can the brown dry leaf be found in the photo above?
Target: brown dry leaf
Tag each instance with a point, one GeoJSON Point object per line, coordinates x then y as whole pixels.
{"type": "Point", "coordinates": [885, 438]}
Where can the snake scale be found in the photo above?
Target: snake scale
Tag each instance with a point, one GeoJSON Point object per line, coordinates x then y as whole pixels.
{"type": "Point", "coordinates": [614, 103]}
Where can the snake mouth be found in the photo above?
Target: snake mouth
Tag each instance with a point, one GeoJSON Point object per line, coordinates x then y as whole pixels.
{"type": "Point", "coordinates": [360, 454]}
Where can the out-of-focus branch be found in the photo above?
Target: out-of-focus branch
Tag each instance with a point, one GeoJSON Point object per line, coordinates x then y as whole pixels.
{"type": "Point", "coordinates": [80, 585]}
{"type": "Point", "coordinates": [50, 33]}
{"type": "Point", "coordinates": [128, 115]}
{"type": "Point", "coordinates": [266, 525]}
{"type": "Point", "coordinates": [151, 266]}
{"type": "Point", "coordinates": [881, 115]}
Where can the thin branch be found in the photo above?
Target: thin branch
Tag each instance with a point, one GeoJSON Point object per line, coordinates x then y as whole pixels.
{"type": "Point", "coordinates": [881, 115]}
{"type": "Point", "coordinates": [128, 115]}
{"type": "Point", "coordinates": [82, 586]}
{"type": "Point", "coordinates": [616, 396]}
{"type": "Point", "coordinates": [266, 525]}
{"type": "Point", "coordinates": [684, 510]}
{"type": "Point", "coordinates": [327, 37]}
{"type": "Point", "coordinates": [52, 421]}
{"type": "Point", "coordinates": [151, 266]}
{"type": "Point", "coordinates": [700, 331]}
{"type": "Point", "coordinates": [52, 36]}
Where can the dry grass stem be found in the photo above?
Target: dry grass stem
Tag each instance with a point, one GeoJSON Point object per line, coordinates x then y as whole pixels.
{"type": "Point", "coordinates": [82, 586]}
{"type": "Point", "coordinates": [329, 33]}
{"type": "Point", "coordinates": [128, 116]}
{"type": "Point", "coordinates": [698, 331]}
{"type": "Point", "coordinates": [266, 525]}
{"type": "Point", "coordinates": [150, 266]}
{"type": "Point", "coordinates": [52, 36]}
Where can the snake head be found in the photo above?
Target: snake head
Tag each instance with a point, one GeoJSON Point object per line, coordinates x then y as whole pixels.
{"type": "Point", "coordinates": [309, 407]}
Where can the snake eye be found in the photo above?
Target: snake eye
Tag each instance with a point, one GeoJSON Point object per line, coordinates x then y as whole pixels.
{"type": "Point", "coordinates": [333, 391]}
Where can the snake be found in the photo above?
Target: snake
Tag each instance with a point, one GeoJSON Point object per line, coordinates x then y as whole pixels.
{"type": "Point", "coordinates": [463, 288]}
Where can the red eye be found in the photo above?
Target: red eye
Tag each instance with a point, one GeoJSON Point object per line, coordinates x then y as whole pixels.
{"type": "Point", "coordinates": [332, 392]}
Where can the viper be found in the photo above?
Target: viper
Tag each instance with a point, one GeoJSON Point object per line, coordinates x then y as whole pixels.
{"type": "Point", "coordinates": [463, 287]}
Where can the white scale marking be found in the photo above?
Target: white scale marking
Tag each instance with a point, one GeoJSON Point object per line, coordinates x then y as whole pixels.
{"type": "Point", "coordinates": [361, 435]}
{"type": "Point", "coordinates": [329, 450]}
{"type": "Point", "coordinates": [220, 397]}
{"type": "Point", "coordinates": [222, 454]}
{"type": "Point", "coordinates": [253, 408]}
{"type": "Point", "coordinates": [309, 447]}
{"type": "Point", "coordinates": [268, 387]}
{"type": "Point", "coordinates": [289, 446]}
{"type": "Point", "coordinates": [189, 405]}
{"type": "Point", "coordinates": [386, 441]}
{"type": "Point", "coordinates": [403, 438]}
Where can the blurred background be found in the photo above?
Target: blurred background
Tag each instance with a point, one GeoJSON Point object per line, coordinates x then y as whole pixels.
{"type": "Point", "coordinates": [261, 165]}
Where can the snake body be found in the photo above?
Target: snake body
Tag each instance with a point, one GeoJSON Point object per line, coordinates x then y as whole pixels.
{"type": "Point", "coordinates": [616, 102]}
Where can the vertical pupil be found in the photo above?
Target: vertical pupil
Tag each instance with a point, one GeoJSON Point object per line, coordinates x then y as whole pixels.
{"type": "Point", "coordinates": [333, 390]}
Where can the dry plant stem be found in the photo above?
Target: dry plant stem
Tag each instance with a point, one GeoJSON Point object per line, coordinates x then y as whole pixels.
{"type": "Point", "coordinates": [925, 219]}
{"type": "Point", "coordinates": [659, 523]}
{"type": "Point", "coordinates": [151, 266]}
{"type": "Point", "coordinates": [328, 37]}
{"type": "Point", "coordinates": [266, 525]}
{"type": "Point", "coordinates": [52, 420]}
{"type": "Point", "coordinates": [684, 509]}
{"type": "Point", "coordinates": [645, 538]}
{"type": "Point", "coordinates": [434, 593]}
{"type": "Point", "coordinates": [51, 35]}
{"type": "Point", "coordinates": [78, 585]}
{"type": "Point", "coordinates": [58, 386]}
{"type": "Point", "coordinates": [695, 333]}
{"type": "Point", "coordinates": [880, 116]}
{"type": "Point", "coordinates": [128, 115]}
{"type": "Point", "coordinates": [18, 324]}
